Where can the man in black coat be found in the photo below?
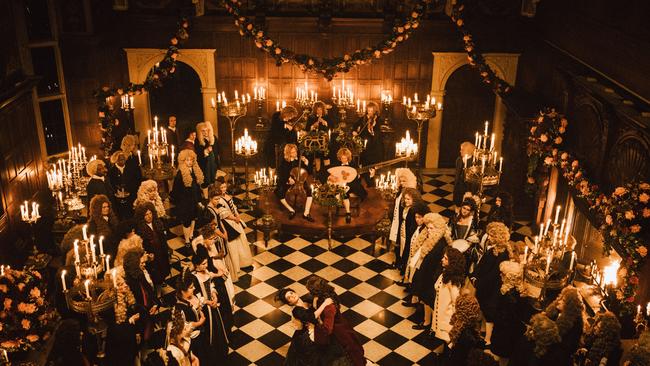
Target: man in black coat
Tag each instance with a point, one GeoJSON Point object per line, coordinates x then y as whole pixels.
{"type": "Point", "coordinates": [173, 135]}
{"type": "Point", "coordinates": [282, 132]}
{"type": "Point", "coordinates": [98, 184]}
{"type": "Point", "coordinates": [367, 128]}
{"type": "Point", "coordinates": [460, 186]}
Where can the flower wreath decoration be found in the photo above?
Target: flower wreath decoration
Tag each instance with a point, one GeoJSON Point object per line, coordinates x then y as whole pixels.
{"type": "Point", "coordinates": [475, 57]}
{"type": "Point", "coordinates": [26, 318]}
{"type": "Point", "coordinates": [327, 67]}
{"type": "Point", "coordinates": [164, 69]}
{"type": "Point", "coordinates": [622, 216]}
{"type": "Point", "coordinates": [544, 142]}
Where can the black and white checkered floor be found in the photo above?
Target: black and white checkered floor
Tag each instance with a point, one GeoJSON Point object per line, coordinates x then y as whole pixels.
{"type": "Point", "coordinates": [359, 271]}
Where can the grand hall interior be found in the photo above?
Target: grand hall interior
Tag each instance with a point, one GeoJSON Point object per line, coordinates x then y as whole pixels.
{"type": "Point", "coordinates": [324, 182]}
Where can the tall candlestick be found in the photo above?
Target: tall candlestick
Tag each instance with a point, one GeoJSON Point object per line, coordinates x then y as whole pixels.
{"type": "Point", "coordinates": [63, 279]}
{"type": "Point", "coordinates": [87, 286]}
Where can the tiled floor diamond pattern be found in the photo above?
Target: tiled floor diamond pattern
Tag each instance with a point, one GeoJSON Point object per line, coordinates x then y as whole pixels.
{"type": "Point", "coordinates": [365, 284]}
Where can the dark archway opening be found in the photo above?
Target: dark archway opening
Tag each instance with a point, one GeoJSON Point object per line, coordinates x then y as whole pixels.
{"type": "Point", "coordinates": [180, 96]}
{"type": "Point", "coordinates": [468, 104]}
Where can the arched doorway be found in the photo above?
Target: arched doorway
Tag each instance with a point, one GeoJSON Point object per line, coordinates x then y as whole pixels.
{"type": "Point", "coordinates": [180, 96]}
{"type": "Point", "coordinates": [467, 105]}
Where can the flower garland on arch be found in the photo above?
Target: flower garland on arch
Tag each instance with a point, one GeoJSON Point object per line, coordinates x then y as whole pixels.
{"type": "Point", "coordinates": [106, 111]}
{"type": "Point", "coordinates": [327, 67]}
{"type": "Point", "coordinates": [622, 215]}
{"type": "Point", "coordinates": [475, 58]}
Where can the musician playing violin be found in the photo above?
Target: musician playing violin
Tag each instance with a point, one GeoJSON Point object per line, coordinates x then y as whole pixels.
{"type": "Point", "coordinates": [367, 127]}
{"type": "Point", "coordinates": [287, 180]}
{"type": "Point", "coordinates": [282, 132]}
{"type": "Point", "coordinates": [344, 155]}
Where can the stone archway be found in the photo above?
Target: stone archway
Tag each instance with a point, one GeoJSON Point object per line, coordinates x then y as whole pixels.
{"type": "Point", "coordinates": [444, 64]}
{"type": "Point", "coordinates": [141, 60]}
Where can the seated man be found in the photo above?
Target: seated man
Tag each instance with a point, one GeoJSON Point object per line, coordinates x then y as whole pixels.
{"type": "Point", "coordinates": [286, 181]}
{"type": "Point", "coordinates": [344, 156]}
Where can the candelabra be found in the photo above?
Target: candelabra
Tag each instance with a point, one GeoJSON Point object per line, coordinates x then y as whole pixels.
{"type": "Point", "coordinates": [343, 98]}
{"type": "Point", "coordinates": [246, 147]}
{"type": "Point", "coordinates": [420, 112]}
{"type": "Point", "coordinates": [329, 196]}
{"type": "Point", "coordinates": [127, 103]}
{"type": "Point", "coordinates": [305, 98]}
{"type": "Point", "coordinates": [386, 103]}
{"type": "Point", "coordinates": [31, 218]}
{"type": "Point", "coordinates": [157, 148]}
{"type": "Point", "coordinates": [481, 168]}
{"type": "Point", "coordinates": [90, 294]}
{"type": "Point", "coordinates": [386, 185]}
{"type": "Point", "coordinates": [259, 96]}
{"type": "Point", "coordinates": [232, 111]}
{"type": "Point", "coordinates": [74, 181]}
{"type": "Point", "coordinates": [406, 147]}
{"type": "Point", "coordinates": [546, 266]}
{"type": "Point", "coordinates": [266, 184]}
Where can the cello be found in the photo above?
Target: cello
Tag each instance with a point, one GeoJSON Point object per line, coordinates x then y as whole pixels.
{"type": "Point", "coordinates": [296, 195]}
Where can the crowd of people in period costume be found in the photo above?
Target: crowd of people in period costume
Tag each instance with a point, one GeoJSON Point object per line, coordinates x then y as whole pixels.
{"type": "Point", "coordinates": [462, 274]}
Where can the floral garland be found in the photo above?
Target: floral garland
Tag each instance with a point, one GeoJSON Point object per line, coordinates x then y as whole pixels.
{"type": "Point", "coordinates": [544, 142]}
{"type": "Point", "coordinates": [475, 58]}
{"type": "Point", "coordinates": [106, 112]}
{"type": "Point", "coordinates": [327, 67]}
{"type": "Point", "coordinates": [622, 215]}
{"type": "Point", "coordinates": [26, 319]}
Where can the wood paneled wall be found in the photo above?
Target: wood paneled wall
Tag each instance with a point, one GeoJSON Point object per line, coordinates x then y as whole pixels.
{"type": "Point", "coordinates": [22, 174]}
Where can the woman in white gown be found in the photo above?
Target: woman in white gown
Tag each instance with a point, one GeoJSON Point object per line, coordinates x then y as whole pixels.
{"type": "Point", "coordinates": [238, 246]}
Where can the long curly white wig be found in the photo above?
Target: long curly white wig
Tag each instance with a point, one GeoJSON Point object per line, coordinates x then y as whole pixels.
{"type": "Point", "coordinates": [185, 170]}
{"type": "Point", "coordinates": [129, 144]}
{"type": "Point", "coordinates": [199, 133]}
{"type": "Point", "coordinates": [127, 245]}
{"type": "Point", "coordinates": [409, 177]}
{"type": "Point", "coordinates": [147, 187]}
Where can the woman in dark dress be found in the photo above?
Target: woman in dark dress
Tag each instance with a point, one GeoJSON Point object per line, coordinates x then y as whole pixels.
{"type": "Point", "coordinates": [434, 240]}
{"type": "Point", "coordinates": [186, 192]}
{"type": "Point", "coordinates": [568, 312]}
{"type": "Point", "coordinates": [487, 276]}
{"type": "Point", "coordinates": [465, 334]}
{"type": "Point", "coordinates": [602, 342]}
{"type": "Point", "coordinates": [464, 225]}
{"type": "Point", "coordinates": [188, 303]}
{"type": "Point", "coordinates": [304, 349]}
{"type": "Point", "coordinates": [333, 322]}
{"type": "Point", "coordinates": [216, 339]}
{"type": "Point", "coordinates": [510, 316]}
{"type": "Point", "coordinates": [540, 345]}
{"type": "Point", "coordinates": [501, 211]}
{"type": "Point", "coordinates": [151, 230]}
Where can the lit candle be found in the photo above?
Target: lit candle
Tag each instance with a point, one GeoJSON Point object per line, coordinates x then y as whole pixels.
{"type": "Point", "coordinates": [140, 157]}
{"type": "Point", "coordinates": [536, 244]}
{"type": "Point", "coordinates": [148, 137]}
{"type": "Point", "coordinates": [2, 270]}
{"type": "Point", "coordinates": [329, 134]}
{"type": "Point", "coordinates": [63, 280]}
{"type": "Point", "coordinates": [548, 263]}
{"type": "Point", "coordinates": [501, 164]}
{"type": "Point", "coordinates": [108, 261]}
{"type": "Point", "coordinates": [83, 230]}
{"type": "Point", "coordinates": [87, 286]}
{"type": "Point", "coordinates": [647, 309]}
{"type": "Point", "coordinates": [573, 258]}
{"type": "Point", "coordinates": [548, 226]}
{"type": "Point", "coordinates": [151, 160]}
{"type": "Point", "coordinates": [114, 277]}
{"type": "Point", "coordinates": [172, 156]}
{"type": "Point", "coordinates": [557, 214]}
{"type": "Point", "coordinates": [76, 250]}
{"type": "Point", "coordinates": [478, 146]}
{"type": "Point", "coordinates": [541, 230]}
{"type": "Point", "coordinates": [526, 255]}
{"type": "Point", "coordinates": [236, 94]}
{"type": "Point", "coordinates": [486, 128]}
{"type": "Point", "coordinates": [365, 143]}
{"type": "Point", "coordinates": [93, 254]}
{"type": "Point", "coordinates": [492, 142]}
{"type": "Point", "coordinates": [277, 105]}
{"type": "Point", "coordinates": [101, 245]}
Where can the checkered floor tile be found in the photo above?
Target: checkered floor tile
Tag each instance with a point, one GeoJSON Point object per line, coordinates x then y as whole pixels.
{"type": "Point", "coordinates": [358, 269]}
